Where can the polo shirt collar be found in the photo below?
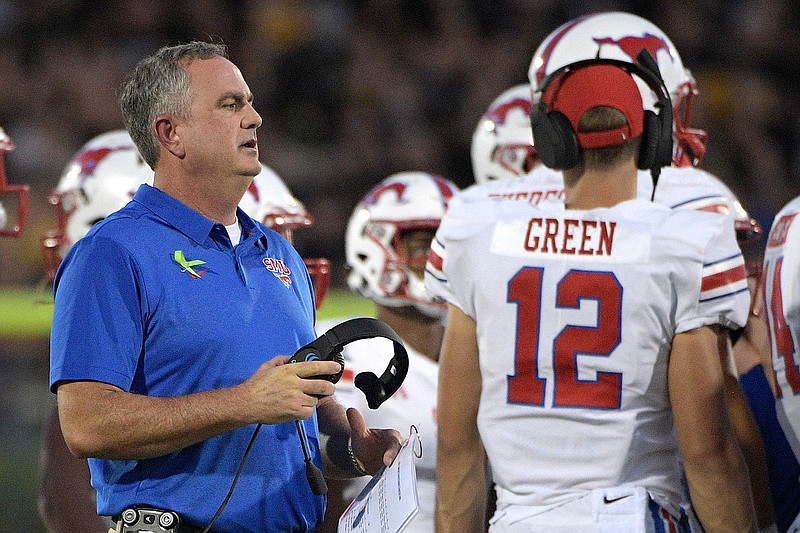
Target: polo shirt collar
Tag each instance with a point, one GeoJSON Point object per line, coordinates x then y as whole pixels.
{"type": "Point", "coordinates": [184, 218]}
{"type": "Point", "coordinates": [249, 227]}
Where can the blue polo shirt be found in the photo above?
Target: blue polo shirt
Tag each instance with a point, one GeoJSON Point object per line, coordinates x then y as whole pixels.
{"type": "Point", "coordinates": [155, 300]}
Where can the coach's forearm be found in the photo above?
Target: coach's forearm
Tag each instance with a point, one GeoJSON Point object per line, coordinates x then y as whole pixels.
{"type": "Point", "coordinates": [100, 420]}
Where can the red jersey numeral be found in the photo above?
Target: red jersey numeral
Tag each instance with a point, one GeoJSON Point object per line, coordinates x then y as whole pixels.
{"type": "Point", "coordinates": [525, 386]}
{"type": "Point", "coordinates": [780, 332]}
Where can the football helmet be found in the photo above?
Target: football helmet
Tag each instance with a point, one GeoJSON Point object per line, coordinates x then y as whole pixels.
{"type": "Point", "coordinates": [7, 190]}
{"type": "Point", "coordinates": [383, 266]}
{"type": "Point", "coordinates": [101, 178]}
{"type": "Point", "coordinates": [269, 201]}
{"type": "Point", "coordinates": [502, 143]}
{"type": "Point", "coordinates": [621, 36]}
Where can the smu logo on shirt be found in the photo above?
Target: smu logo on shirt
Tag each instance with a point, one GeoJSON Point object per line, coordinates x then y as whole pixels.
{"type": "Point", "coordinates": [279, 269]}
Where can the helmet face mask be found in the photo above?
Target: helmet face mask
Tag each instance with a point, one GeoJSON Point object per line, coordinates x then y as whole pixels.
{"type": "Point", "coordinates": [13, 198]}
{"type": "Point", "coordinates": [101, 178]}
{"type": "Point", "coordinates": [517, 159]}
{"type": "Point", "coordinates": [270, 201]}
{"type": "Point", "coordinates": [621, 36]}
{"type": "Point", "coordinates": [388, 238]}
{"type": "Point", "coordinates": [691, 143]}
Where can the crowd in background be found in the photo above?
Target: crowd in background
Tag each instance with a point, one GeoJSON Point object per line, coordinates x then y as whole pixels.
{"type": "Point", "coordinates": [353, 90]}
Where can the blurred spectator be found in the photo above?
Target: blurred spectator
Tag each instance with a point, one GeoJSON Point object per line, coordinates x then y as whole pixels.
{"type": "Point", "coordinates": [354, 90]}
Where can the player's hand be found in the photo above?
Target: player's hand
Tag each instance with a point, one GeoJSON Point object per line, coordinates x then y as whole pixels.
{"type": "Point", "coordinates": [373, 448]}
{"type": "Point", "coordinates": [278, 392]}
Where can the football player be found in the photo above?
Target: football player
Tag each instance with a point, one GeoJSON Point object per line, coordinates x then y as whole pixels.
{"type": "Point", "coordinates": [781, 306]}
{"type": "Point", "coordinates": [386, 246]}
{"type": "Point", "coordinates": [621, 36]}
{"type": "Point", "coordinates": [536, 386]}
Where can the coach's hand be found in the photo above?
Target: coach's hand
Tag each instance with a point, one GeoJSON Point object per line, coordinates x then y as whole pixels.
{"type": "Point", "coordinates": [372, 448]}
{"type": "Point", "coordinates": [278, 392]}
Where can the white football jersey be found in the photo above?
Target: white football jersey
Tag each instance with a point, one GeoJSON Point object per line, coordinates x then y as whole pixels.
{"type": "Point", "coordinates": [575, 313]}
{"type": "Point", "coordinates": [414, 403]}
{"type": "Point", "coordinates": [781, 287]}
{"type": "Point", "coordinates": [678, 188]}
{"type": "Point", "coordinates": [541, 183]}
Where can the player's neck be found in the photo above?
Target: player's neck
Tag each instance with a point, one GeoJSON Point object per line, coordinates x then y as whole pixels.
{"type": "Point", "coordinates": [419, 331]}
{"type": "Point", "coordinates": [595, 188]}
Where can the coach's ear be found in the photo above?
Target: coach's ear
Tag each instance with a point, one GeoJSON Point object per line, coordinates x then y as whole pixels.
{"type": "Point", "coordinates": [167, 131]}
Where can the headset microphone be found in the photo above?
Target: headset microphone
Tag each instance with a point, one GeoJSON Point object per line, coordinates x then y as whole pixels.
{"type": "Point", "coordinates": [314, 475]}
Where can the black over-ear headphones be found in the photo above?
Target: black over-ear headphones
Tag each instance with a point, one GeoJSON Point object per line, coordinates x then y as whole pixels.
{"type": "Point", "coordinates": [557, 144]}
{"type": "Point", "coordinates": [328, 347]}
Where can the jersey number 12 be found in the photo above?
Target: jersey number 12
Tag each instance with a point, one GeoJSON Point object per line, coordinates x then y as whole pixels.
{"type": "Point", "coordinates": [525, 386]}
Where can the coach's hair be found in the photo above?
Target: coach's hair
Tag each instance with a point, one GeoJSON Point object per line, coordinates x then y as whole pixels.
{"type": "Point", "coordinates": [603, 118]}
{"type": "Point", "coordinates": [159, 84]}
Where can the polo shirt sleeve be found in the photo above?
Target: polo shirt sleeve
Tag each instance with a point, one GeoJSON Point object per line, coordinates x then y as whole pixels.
{"type": "Point", "coordinates": [97, 331]}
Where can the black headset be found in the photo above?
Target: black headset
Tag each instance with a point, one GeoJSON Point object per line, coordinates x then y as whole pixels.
{"type": "Point", "coordinates": [329, 347]}
{"type": "Point", "coordinates": [557, 144]}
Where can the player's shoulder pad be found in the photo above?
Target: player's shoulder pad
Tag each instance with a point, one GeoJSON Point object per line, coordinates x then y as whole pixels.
{"type": "Point", "coordinates": [697, 228]}
{"type": "Point", "coordinates": [467, 214]}
{"type": "Point", "coordinates": [688, 188]}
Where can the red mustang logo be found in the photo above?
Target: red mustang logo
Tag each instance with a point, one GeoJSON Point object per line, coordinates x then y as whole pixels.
{"type": "Point", "coordinates": [374, 196]}
{"type": "Point", "coordinates": [499, 113]}
{"type": "Point", "coordinates": [633, 45]}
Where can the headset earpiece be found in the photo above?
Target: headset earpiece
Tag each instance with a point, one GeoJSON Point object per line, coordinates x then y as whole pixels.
{"type": "Point", "coordinates": [554, 139]}
{"type": "Point", "coordinates": [656, 150]}
{"type": "Point", "coordinates": [329, 345]}
{"type": "Point", "coordinates": [650, 140]}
